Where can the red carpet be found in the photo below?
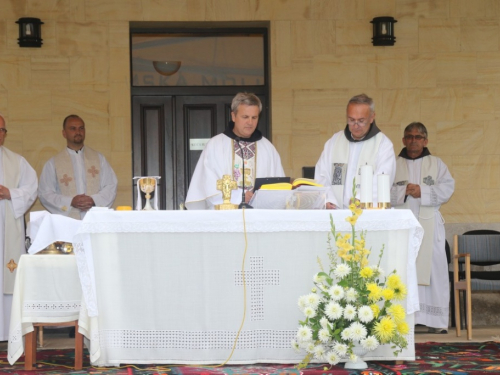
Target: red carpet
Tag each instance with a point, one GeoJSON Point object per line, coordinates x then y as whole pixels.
{"type": "Point", "coordinates": [431, 358]}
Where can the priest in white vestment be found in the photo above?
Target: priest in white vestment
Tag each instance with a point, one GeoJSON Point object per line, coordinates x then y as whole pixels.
{"type": "Point", "coordinates": [18, 184]}
{"type": "Point", "coordinates": [225, 154]}
{"type": "Point", "coordinates": [360, 143]}
{"type": "Point", "coordinates": [423, 183]}
{"type": "Point", "coordinates": [78, 178]}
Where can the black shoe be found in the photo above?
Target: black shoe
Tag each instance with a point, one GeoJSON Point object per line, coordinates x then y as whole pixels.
{"type": "Point", "coordinates": [72, 332]}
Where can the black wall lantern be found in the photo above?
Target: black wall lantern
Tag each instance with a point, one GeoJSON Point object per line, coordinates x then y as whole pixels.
{"type": "Point", "coordinates": [383, 31]}
{"type": "Point", "coordinates": [30, 32]}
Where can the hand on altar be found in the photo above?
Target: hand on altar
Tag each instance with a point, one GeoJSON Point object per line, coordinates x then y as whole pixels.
{"type": "Point", "coordinates": [248, 196]}
{"type": "Point", "coordinates": [330, 206]}
{"type": "Point", "coordinates": [413, 190]}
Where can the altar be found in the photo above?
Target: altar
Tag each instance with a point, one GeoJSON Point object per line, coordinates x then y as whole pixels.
{"type": "Point", "coordinates": [168, 287]}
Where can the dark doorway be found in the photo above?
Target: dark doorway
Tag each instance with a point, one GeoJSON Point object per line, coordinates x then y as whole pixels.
{"type": "Point", "coordinates": [171, 124]}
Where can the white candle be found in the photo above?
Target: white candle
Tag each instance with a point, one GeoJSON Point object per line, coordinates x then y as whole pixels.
{"type": "Point", "coordinates": [383, 188]}
{"type": "Point", "coordinates": [366, 194]}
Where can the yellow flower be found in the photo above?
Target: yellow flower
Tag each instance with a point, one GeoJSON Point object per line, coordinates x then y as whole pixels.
{"type": "Point", "coordinates": [375, 309]}
{"type": "Point", "coordinates": [375, 291]}
{"type": "Point", "coordinates": [397, 312]}
{"type": "Point", "coordinates": [358, 211]}
{"type": "Point", "coordinates": [364, 262]}
{"type": "Point", "coordinates": [366, 273]}
{"type": "Point", "coordinates": [351, 219]}
{"type": "Point", "coordinates": [388, 294]}
{"type": "Point", "coordinates": [400, 292]}
{"type": "Point", "coordinates": [402, 328]}
{"type": "Point", "coordinates": [384, 330]}
{"type": "Point", "coordinates": [393, 281]}
{"type": "Point", "coordinates": [352, 207]}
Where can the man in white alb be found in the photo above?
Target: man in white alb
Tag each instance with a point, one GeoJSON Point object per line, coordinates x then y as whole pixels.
{"type": "Point", "coordinates": [422, 184]}
{"type": "Point", "coordinates": [222, 155]}
{"type": "Point", "coordinates": [18, 184]}
{"type": "Point", "coordinates": [77, 178]}
{"type": "Point", "coordinates": [360, 143]}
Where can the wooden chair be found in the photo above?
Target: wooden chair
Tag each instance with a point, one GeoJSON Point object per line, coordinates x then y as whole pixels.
{"type": "Point", "coordinates": [30, 344]}
{"type": "Point", "coordinates": [478, 249]}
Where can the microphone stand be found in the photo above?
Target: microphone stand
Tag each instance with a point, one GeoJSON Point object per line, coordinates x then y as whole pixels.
{"type": "Point", "coordinates": [243, 204]}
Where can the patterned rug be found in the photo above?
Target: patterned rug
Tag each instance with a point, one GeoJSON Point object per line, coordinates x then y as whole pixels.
{"type": "Point", "coordinates": [431, 358]}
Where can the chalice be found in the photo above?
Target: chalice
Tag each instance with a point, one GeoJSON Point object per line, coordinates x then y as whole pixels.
{"type": "Point", "coordinates": [147, 185]}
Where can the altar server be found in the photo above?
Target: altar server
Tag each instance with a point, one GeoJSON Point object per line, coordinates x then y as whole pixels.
{"type": "Point", "coordinates": [77, 178]}
{"type": "Point", "coordinates": [18, 184]}
{"type": "Point", "coordinates": [223, 155]}
{"type": "Point", "coordinates": [423, 183]}
{"type": "Point", "coordinates": [360, 143]}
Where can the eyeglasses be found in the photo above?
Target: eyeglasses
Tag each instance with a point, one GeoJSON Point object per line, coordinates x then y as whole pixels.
{"type": "Point", "coordinates": [3, 130]}
{"type": "Point", "coordinates": [410, 137]}
{"type": "Point", "coordinates": [352, 122]}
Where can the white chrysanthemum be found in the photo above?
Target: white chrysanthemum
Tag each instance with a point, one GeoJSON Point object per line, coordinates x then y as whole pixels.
{"type": "Point", "coordinates": [312, 300]}
{"type": "Point", "coordinates": [318, 279]}
{"type": "Point", "coordinates": [319, 352]}
{"type": "Point", "coordinates": [349, 312]}
{"type": "Point", "coordinates": [333, 310]}
{"type": "Point", "coordinates": [346, 334]}
{"type": "Point", "coordinates": [342, 270]}
{"type": "Point", "coordinates": [304, 344]}
{"type": "Point", "coordinates": [310, 347]}
{"type": "Point", "coordinates": [324, 335]}
{"type": "Point", "coordinates": [365, 314]}
{"type": "Point", "coordinates": [304, 333]}
{"type": "Point", "coordinates": [309, 312]}
{"type": "Point", "coordinates": [358, 331]}
{"type": "Point", "coordinates": [324, 323]}
{"type": "Point", "coordinates": [314, 289]}
{"type": "Point", "coordinates": [295, 346]}
{"type": "Point", "coordinates": [336, 292]}
{"type": "Point", "coordinates": [340, 348]}
{"type": "Point", "coordinates": [370, 343]}
{"type": "Point", "coordinates": [351, 295]}
{"type": "Point", "coordinates": [353, 357]}
{"type": "Point", "coordinates": [332, 358]}
{"type": "Point", "coordinates": [302, 302]}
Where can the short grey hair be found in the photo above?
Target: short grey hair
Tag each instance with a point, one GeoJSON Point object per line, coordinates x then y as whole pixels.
{"type": "Point", "coordinates": [418, 126]}
{"type": "Point", "coordinates": [362, 99]}
{"type": "Point", "coordinates": [246, 99]}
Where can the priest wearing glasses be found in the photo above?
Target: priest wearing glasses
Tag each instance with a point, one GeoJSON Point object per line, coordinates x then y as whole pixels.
{"type": "Point", "coordinates": [360, 143]}
{"type": "Point", "coordinates": [225, 154]}
{"type": "Point", "coordinates": [422, 184]}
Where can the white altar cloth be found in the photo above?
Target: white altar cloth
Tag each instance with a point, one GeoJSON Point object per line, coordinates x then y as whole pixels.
{"type": "Point", "coordinates": [167, 286]}
{"type": "Point", "coordinates": [47, 290]}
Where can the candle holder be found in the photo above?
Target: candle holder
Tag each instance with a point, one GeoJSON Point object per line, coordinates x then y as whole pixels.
{"type": "Point", "coordinates": [366, 205]}
{"type": "Point", "coordinates": [384, 205]}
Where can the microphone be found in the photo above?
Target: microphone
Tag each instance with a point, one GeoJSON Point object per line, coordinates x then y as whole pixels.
{"type": "Point", "coordinates": [243, 204]}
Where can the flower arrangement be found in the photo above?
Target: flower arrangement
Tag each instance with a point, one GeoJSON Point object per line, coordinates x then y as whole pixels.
{"type": "Point", "coordinates": [351, 304]}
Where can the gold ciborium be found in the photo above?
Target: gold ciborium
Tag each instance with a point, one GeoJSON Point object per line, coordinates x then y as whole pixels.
{"type": "Point", "coordinates": [147, 186]}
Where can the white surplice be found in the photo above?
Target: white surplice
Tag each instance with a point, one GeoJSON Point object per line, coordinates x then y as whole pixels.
{"type": "Point", "coordinates": [385, 163]}
{"type": "Point", "coordinates": [22, 197]}
{"type": "Point", "coordinates": [435, 298]}
{"type": "Point", "coordinates": [216, 160]}
{"type": "Point", "coordinates": [50, 193]}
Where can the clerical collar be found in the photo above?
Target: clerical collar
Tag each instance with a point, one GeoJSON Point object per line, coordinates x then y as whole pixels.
{"type": "Point", "coordinates": [404, 154]}
{"type": "Point", "coordinates": [75, 151]}
{"type": "Point", "coordinates": [374, 130]}
{"type": "Point", "coordinates": [256, 135]}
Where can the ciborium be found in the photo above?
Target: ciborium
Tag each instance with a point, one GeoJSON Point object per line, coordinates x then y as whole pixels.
{"type": "Point", "coordinates": [147, 186]}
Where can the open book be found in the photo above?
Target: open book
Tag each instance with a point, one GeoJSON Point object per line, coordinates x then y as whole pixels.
{"type": "Point", "coordinates": [290, 186]}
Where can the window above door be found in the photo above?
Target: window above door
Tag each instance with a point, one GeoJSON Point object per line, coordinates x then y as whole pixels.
{"type": "Point", "coordinates": [198, 59]}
